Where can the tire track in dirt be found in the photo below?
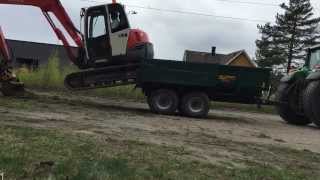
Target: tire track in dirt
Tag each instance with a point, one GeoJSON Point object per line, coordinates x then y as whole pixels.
{"type": "Point", "coordinates": [223, 136]}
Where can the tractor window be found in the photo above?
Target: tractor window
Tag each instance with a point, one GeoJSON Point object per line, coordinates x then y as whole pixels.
{"type": "Point", "coordinates": [315, 59]}
{"type": "Point", "coordinates": [117, 18]}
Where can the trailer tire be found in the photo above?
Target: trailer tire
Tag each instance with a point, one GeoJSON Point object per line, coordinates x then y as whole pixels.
{"type": "Point", "coordinates": [311, 102]}
{"type": "Point", "coordinates": [285, 111]}
{"type": "Point", "coordinates": [163, 101]}
{"type": "Point", "coordinates": [195, 105]}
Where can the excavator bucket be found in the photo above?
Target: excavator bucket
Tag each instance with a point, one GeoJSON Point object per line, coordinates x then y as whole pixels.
{"type": "Point", "coordinates": [9, 84]}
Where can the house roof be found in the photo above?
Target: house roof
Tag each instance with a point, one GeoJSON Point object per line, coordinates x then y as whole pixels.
{"type": "Point", "coordinates": [223, 59]}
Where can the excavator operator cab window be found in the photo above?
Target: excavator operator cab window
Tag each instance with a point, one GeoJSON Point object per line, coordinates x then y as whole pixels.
{"type": "Point", "coordinates": [97, 33]}
{"type": "Point", "coordinates": [117, 18]}
{"type": "Point", "coordinates": [98, 27]}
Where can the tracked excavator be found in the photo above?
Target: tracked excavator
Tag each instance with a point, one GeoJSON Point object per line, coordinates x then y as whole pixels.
{"type": "Point", "coordinates": [9, 84]}
{"type": "Point", "coordinates": [109, 50]}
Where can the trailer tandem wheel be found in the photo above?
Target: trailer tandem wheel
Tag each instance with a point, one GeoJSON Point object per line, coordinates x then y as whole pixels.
{"type": "Point", "coordinates": [286, 100]}
{"type": "Point", "coordinates": [163, 101]}
{"type": "Point", "coordinates": [195, 105]}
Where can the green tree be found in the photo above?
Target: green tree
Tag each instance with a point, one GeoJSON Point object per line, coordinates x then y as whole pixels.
{"type": "Point", "coordinates": [286, 41]}
{"type": "Point", "coordinates": [268, 53]}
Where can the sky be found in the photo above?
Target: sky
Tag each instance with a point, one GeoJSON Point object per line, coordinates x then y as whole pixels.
{"type": "Point", "coordinates": [171, 33]}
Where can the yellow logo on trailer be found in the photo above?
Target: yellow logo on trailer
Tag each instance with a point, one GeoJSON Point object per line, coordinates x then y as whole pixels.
{"type": "Point", "coordinates": [227, 78]}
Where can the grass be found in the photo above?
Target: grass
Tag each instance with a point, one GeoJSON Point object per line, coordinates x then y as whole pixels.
{"type": "Point", "coordinates": [121, 92]}
{"type": "Point", "coordinates": [27, 153]}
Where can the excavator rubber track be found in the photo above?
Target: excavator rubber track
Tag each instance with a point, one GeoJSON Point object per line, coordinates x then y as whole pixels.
{"type": "Point", "coordinates": [102, 78]}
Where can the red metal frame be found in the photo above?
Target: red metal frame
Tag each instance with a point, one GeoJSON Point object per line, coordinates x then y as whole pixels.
{"type": "Point", "coordinates": [55, 7]}
{"type": "Point", "coordinates": [4, 50]}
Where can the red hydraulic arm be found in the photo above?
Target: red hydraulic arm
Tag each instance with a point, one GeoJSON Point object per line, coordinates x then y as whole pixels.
{"type": "Point", "coordinates": [55, 7]}
{"type": "Point", "coordinates": [4, 48]}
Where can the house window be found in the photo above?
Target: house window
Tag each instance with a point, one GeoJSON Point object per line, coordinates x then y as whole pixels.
{"type": "Point", "coordinates": [31, 64]}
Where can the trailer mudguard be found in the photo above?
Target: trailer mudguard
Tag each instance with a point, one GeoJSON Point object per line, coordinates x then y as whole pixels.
{"type": "Point", "coordinates": [314, 76]}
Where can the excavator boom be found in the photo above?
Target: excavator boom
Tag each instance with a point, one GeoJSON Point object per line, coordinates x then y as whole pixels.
{"type": "Point", "coordinates": [55, 7]}
{"type": "Point", "coordinates": [4, 50]}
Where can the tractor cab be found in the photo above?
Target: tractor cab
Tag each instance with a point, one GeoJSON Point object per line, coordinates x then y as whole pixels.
{"type": "Point", "coordinates": [314, 58]}
{"type": "Point", "coordinates": [109, 38]}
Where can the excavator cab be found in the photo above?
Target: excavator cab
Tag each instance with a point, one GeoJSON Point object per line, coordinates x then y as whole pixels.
{"type": "Point", "coordinates": [109, 39]}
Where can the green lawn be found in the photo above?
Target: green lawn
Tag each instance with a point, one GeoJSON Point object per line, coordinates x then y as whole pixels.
{"type": "Point", "coordinates": [27, 153]}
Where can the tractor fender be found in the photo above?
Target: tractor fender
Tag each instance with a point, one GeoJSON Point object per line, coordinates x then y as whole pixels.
{"type": "Point", "coordinates": [288, 78]}
{"type": "Point", "coordinates": [314, 76]}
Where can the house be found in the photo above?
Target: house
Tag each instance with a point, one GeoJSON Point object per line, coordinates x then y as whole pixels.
{"type": "Point", "coordinates": [33, 54]}
{"type": "Point", "coordinates": [238, 58]}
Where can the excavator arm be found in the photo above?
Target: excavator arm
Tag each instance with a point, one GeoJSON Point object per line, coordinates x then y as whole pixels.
{"type": "Point", "coordinates": [55, 7]}
{"type": "Point", "coordinates": [9, 85]}
{"type": "Point", "coordinates": [4, 50]}
{"type": "Point", "coordinates": [5, 60]}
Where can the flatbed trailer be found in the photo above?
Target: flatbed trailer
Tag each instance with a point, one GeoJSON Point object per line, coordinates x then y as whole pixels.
{"type": "Point", "coordinates": [172, 86]}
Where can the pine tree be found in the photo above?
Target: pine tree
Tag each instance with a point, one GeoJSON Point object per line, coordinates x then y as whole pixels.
{"type": "Point", "coordinates": [268, 53]}
{"type": "Point", "coordinates": [293, 32]}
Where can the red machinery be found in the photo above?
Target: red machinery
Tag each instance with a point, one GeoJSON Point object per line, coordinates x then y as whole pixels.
{"type": "Point", "coordinates": [8, 82]}
{"type": "Point", "coordinates": [107, 46]}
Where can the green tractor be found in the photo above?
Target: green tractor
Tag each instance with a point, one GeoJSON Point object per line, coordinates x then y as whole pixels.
{"type": "Point", "coordinates": [298, 94]}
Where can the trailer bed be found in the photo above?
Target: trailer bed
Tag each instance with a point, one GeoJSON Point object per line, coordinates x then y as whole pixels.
{"type": "Point", "coordinates": [223, 83]}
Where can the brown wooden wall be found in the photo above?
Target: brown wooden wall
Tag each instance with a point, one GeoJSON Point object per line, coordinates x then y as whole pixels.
{"type": "Point", "coordinates": [243, 61]}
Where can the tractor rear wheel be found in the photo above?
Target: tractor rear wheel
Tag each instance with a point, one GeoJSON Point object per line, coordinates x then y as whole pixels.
{"type": "Point", "coordinates": [311, 102]}
{"type": "Point", "coordinates": [163, 101]}
{"type": "Point", "coordinates": [285, 98]}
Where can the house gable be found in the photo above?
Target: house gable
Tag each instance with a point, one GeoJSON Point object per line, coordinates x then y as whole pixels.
{"type": "Point", "coordinates": [242, 59]}
{"type": "Point", "coordinates": [238, 58]}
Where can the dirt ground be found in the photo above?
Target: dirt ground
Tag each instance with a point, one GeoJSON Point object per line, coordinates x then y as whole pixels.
{"type": "Point", "coordinates": [224, 135]}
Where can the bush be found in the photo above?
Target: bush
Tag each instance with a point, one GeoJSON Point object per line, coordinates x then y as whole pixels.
{"type": "Point", "coordinates": [50, 76]}
{"type": "Point", "coordinates": [123, 92]}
